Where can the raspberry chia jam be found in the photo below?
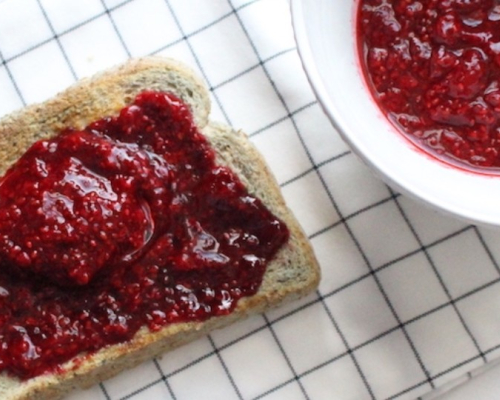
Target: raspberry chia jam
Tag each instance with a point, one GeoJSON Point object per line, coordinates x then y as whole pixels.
{"type": "Point", "coordinates": [127, 223]}
{"type": "Point", "coordinates": [434, 69]}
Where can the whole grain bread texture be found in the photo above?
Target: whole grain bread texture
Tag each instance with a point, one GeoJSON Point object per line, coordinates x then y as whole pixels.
{"type": "Point", "coordinates": [293, 273]}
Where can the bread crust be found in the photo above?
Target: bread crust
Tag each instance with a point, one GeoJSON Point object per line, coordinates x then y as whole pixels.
{"type": "Point", "coordinates": [103, 94]}
{"type": "Point", "coordinates": [293, 273]}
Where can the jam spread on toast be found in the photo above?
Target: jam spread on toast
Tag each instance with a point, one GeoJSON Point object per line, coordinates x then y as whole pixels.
{"type": "Point", "coordinates": [434, 68]}
{"type": "Point", "coordinates": [127, 223]}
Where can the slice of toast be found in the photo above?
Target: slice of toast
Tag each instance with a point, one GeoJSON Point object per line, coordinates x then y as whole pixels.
{"type": "Point", "coordinates": [293, 273]}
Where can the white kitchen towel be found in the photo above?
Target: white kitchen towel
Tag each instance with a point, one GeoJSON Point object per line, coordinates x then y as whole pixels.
{"type": "Point", "coordinates": [409, 300]}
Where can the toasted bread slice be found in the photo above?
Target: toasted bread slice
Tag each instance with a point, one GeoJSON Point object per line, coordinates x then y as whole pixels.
{"type": "Point", "coordinates": [293, 273]}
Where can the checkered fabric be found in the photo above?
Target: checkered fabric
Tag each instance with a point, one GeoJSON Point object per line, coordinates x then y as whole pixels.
{"type": "Point", "coordinates": [409, 300]}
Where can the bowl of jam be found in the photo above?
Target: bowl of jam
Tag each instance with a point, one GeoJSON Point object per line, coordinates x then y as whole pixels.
{"type": "Point", "coordinates": [413, 86]}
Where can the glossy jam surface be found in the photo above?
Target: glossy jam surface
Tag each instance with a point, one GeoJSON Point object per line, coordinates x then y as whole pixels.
{"type": "Point", "coordinates": [127, 223]}
{"type": "Point", "coordinates": [434, 67]}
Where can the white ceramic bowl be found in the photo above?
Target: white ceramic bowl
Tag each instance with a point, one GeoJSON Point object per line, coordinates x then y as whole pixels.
{"type": "Point", "coordinates": [326, 40]}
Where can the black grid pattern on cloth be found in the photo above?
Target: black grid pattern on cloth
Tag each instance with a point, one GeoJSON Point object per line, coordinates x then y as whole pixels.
{"type": "Point", "coordinates": [343, 339]}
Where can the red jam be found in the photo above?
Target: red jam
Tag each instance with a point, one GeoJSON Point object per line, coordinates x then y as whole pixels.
{"type": "Point", "coordinates": [127, 223]}
{"type": "Point", "coordinates": [434, 67]}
